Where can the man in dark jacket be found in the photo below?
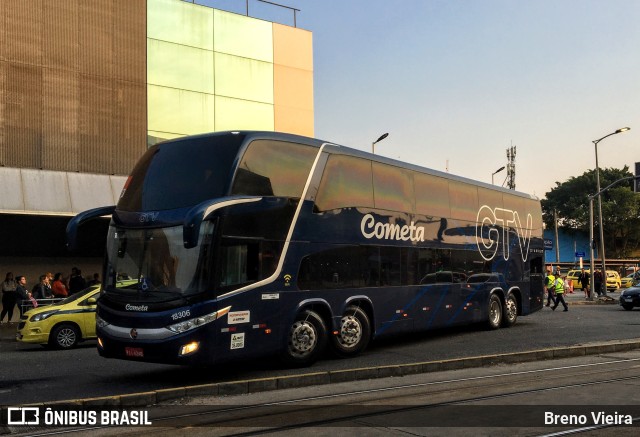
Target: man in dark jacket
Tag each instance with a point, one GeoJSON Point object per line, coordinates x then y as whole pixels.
{"type": "Point", "coordinates": [76, 281]}
{"type": "Point", "coordinates": [22, 293]}
{"type": "Point", "coordinates": [41, 290]}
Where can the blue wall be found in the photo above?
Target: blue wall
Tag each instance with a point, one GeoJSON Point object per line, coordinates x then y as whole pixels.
{"type": "Point", "coordinates": [569, 245]}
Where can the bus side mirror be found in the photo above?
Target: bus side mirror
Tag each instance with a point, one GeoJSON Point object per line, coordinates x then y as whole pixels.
{"type": "Point", "coordinates": [75, 222]}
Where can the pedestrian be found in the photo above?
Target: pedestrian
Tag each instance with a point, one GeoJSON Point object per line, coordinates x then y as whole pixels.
{"type": "Point", "coordinates": [95, 280]}
{"type": "Point", "coordinates": [559, 288]}
{"type": "Point", "coordinates": [58, 288]}
{"type": "Point", "coordinates": [41, 289]}
{"type": "Point", "coordinates": [583, 279]}
{"type": "Point", "coordinates": [23, 295]}
{"type": "Point", "coordinates": [597, 282]}
{"type": "Point", "coordinates": [549, 284]}
{"type": "Point", "coordinates": [9, 297]}
{"type": "Point", "coordinates": [76, 281]}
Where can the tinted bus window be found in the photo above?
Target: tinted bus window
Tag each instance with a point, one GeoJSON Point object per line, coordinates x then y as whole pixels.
{"type": "Point", "coordinates": [464, 201]}
{"type": "Point", "coordinates": [392, 188]}
{"type": "Point", "coordinates": [346, 182]}
{"type": "Point", "coordinates": [181, 173]}
{"type": "Point", "coordinates": [432, 195]}
{"type": "Point", "coordinates": [274, 168]}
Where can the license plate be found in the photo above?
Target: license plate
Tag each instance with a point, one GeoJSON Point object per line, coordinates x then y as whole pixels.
{"type": "Point", "coordinates": [135, 352]}
{"type": "Point", "coordinates": [628, 299]}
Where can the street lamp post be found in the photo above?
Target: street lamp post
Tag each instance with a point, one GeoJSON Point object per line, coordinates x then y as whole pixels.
{"type": "Point", "coordinates": [591, 242]}
{"type": "Point", "coordinates": [496, 172]}
{"type": "Point", "coordinates": [599, 194]}
{"type": "Point", "coordinates": [373, 145]}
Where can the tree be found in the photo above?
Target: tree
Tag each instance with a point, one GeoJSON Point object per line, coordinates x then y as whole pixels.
{"type": "Point", "coordinates": [620, 209]}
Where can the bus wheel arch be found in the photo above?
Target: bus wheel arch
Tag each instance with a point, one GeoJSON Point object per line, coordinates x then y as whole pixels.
{"type": "Point", "coordinates": [512, 308]}
{"type": "Point", "coordinates": [353, 332]}
{"type": "Point", "coordinates": [306, 338]}
{"type": "Point", "coordinates": [494, 311]}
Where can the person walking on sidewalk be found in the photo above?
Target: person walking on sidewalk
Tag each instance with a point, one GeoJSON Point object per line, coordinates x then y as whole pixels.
{"type": "Point", "coordinates": [550, 285]}
{"type": "Point", "coordinates": [559, 288]}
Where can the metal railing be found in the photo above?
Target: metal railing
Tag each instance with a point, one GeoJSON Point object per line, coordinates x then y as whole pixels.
{"type": "Point", "coordinates": [26, 305]}
{"type": "Point", "coordinates": [211, 3]}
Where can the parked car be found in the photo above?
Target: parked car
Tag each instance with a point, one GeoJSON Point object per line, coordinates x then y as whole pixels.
{"type": "Point", "coordinates": [613, 280]}
{"type": "Point", "coordinates": [630, 298]}
{"type": "Point", "coordinates": [630, 280]}
{"type": "Point", "coordinates": [573, 276]}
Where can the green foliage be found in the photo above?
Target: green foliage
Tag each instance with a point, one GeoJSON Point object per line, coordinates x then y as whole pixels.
{"type": "Point", "coordinates": [620, 209]}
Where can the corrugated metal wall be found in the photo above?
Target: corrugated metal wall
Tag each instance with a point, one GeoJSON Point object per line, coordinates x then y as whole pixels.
{"type": "Point", "coordinates": [73, 84]}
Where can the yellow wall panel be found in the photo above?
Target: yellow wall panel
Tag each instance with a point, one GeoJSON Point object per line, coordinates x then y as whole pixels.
{"type": "Point", "coordinates": [292, 47]}
{"type": "Point", "coordinates": [179, 66]}
{"type": "Point", "coordinates": [180, 22]}
{"type": "Point", "coordinates": [179, 111]}
{"type": "Point", "coordinates": [243, 78]}
{"type": "Point", "coordinates": [234, 114]}
{"type": "Point", "coordinates": [242, 36]}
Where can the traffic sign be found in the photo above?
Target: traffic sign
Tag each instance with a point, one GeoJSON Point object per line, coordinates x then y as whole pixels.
{"type": "Point", "coordinates": [580, 254]}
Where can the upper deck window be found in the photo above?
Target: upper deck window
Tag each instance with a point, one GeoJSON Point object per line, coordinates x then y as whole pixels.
{"type": "Point", "coordinates": [181, 173]}
{"type": "Point", "coordinates": [346, 182]}
{"type": "Point", "coordinates": [274, 168]}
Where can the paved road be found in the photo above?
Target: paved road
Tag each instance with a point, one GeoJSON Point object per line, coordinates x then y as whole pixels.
{"type": "Point", "coordinates": [33, 374]}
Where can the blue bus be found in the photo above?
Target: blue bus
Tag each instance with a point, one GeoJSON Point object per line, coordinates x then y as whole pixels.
{"type": "Point", "coordinates": [246, 244]}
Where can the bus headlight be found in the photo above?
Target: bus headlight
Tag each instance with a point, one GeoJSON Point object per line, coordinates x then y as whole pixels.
{"type": "Point", "coordinates": [189, 348]}
{"type": "Point", "coordinates": [100, 322]}
{"type": "Point", "coordinates": [196, 322]}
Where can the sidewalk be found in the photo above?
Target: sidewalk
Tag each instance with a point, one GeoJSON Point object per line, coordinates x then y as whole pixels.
{"type": "Point", "coordinates": [8, 331]}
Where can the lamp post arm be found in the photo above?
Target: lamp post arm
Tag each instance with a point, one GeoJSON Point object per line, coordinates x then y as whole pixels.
{"type": "Point", "coordinates": [593, 196]}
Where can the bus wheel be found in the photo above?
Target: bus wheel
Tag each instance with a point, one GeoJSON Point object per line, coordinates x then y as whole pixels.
{"type": "Point", "coordinates": [495, 312]}
{"type": "Point", "coordinates": [354, 334]}
{"type": "Point", "coordinates": [306, 339]}
{"type": "Point", "coordinates": [510, 311]}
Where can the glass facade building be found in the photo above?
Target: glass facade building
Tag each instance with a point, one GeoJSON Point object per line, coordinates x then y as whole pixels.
{"type": "Point", "coordinates": [211, 70]}
{"type": "Point", "coordinates": [86, 86]}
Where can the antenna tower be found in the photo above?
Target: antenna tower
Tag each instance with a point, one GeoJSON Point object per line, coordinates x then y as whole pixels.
{"type": "Point", "coordinates": [511, 167]}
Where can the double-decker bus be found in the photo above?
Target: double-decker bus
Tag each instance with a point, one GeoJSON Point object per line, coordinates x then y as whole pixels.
{"type": "Point", "coordinates": [245, 244]}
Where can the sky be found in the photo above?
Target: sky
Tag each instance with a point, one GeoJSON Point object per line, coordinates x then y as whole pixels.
{"type": "Point", "coordinates": [455, 83]}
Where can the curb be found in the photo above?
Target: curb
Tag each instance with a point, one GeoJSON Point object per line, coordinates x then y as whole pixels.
{"type": "Point", "coordinates": [331, 377]}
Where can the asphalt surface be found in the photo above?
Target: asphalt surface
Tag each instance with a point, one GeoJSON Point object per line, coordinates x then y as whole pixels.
{"type": "Point", "coordinates": [457, 357]}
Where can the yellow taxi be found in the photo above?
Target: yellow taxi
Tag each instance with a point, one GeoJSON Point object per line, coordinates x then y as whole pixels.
{"type": "Point", "coordinates": [629, 280]}
{"type": "Point", "coordinates": [63, 324]}
{"type": "Point", "coordinates": [573, 276]}
{"type": "Point", "coordinates": [613, 279]}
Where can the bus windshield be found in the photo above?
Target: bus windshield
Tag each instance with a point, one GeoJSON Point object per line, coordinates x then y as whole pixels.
{"type": "Point", "coordinates": [156, 259]}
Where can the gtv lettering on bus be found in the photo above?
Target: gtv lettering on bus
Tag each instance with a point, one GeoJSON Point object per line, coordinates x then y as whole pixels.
{"type": "Point", "coordinates": [488, 235]}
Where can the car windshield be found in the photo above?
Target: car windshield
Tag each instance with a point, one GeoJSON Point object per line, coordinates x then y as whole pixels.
{"type": "Point", "coordinates": [154, 261]}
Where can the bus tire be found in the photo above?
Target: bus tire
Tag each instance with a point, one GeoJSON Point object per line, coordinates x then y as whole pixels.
{"type": "Point", "coordinates": [306, 339]}
{"type": "Point", "coordinates": [354, 333]}
{"type": "Point", "coordinates": [495, 312]}
{"type": "Point", "coordinates": [64, 336]}
{"type": "Point", "coordinates": [510, 311]}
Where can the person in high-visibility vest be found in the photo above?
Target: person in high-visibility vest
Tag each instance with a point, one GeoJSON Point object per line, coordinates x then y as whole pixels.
{"type": "Point", "coordinates": [550, 284]}
{"type": "Point", "coordinates": [559, 286]}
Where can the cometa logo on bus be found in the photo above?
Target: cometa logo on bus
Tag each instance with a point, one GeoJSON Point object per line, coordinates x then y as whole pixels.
{"type": "Point", "coordinates": [386, 231]}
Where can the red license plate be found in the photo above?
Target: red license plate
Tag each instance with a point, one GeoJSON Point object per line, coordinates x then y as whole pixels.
{"type": "Point", "coordinates": [135, 352]}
